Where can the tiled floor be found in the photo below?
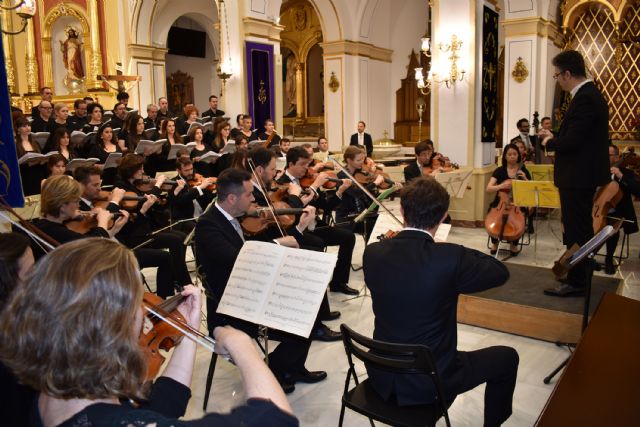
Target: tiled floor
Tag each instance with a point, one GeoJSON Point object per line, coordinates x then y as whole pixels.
{"type": "Point", "coordinates": [319, 404]}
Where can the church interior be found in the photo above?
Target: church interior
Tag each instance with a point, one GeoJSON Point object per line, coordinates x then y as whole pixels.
{"type": "Point", "coordinates": [472, 76]}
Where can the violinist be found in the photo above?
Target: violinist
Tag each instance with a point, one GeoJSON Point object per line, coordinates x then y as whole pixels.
{"type": "Point", "coordinates": [147, 257]}
{"type": "Point", "coordinates": [219, 238]}
{"type": "Point", "coordinates": [629, 186]}
{"type": "Point", "coordinates": [191, 196]}
{"type": "Point", "coordinates": [60, 202]}
{"type": "Point", "coordinates": [147, 219]}
{"type": "Point", "coordinates": [525, 155]}
{"type": "Point", "coordinates": [512, 168]}
{"type": "Point", "coordinates": [90, 377]}
{"type": "Point", "coordinates": [424, 153]}
{"type": "Point", "coordinates": [354, 200]}
{"type": "Point", "coordinates": [298, 160]}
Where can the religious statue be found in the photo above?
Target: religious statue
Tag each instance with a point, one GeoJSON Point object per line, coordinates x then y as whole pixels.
{"type": "Point", "coordinates": [72, 59]}
{"type": "Point", "coordinates": [290, 84]}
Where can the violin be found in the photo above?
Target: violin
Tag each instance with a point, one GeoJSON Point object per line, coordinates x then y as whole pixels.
{"type": "Point", "coordinates": [440, 163]}
{"type": "Point", "coordinates": [332, 182]}
{"type": "Point", "coordinates": [84, 221]}
{"type": "Point", "coordinates": [197, 181]}
{"type": "Point", "coordinates": [146, 183]}
{"type": "Point", "coordinates": [505, 221]}
{"type": "Point", "coordinates": [258, 220]}
{"type": "Point", "coordinates": [129, 201]}
{"type": "Point", "coordinates": [366, 178]}
{"type": "Point", "coordinates": [390, 234]}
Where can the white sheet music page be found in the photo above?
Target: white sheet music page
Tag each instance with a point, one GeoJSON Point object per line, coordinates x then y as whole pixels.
{"type": "Point", "coordinates": [277, 286]}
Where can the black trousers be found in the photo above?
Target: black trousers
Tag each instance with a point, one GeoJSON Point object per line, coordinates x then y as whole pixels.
{"type": "Point", "coordinates": [148, 257]}
{"type": "Point", "coordinates": [174, 241]}
{"type": "Point", "coordinates": [333, 236]}
{"type": "Point", "coordinates": [288, 357]}
{"type": "Point", "coordinates": [498, 367]}
{"type": "Point", "coordinates": [576, 205]}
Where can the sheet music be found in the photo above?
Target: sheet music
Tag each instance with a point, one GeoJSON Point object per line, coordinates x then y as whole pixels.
{"type": "Point", "coordinates": [385, 223]}
{"type": "Point", "coordinates": [277, 286]}
{"type": "Point", "coordinates": [455, 182]}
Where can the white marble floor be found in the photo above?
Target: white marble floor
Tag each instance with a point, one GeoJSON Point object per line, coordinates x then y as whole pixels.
{"type": "Point", "coordinates": [319, 404]}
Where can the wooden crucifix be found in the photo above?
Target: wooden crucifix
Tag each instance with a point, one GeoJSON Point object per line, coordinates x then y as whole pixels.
{"type": "Point", "coordinates": [119, 78]}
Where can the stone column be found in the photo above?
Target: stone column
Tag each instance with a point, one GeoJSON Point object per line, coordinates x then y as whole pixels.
{"type": "Point", "coordinates": [300, 98]}
{"type": "Point", "coordinates": [31, 64]}
{"type": "Point", "coordinates": [8, 54]}
{"type": "Point", "coordinates": [95, 61]}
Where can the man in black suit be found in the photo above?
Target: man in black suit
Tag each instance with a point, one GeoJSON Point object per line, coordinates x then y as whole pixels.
{"type": "Point", "coordinates": [218, 240]}
{"type": "Point", "coordinates": [529, 140]}
{"type": "Point", "coordinates": [363, 139]}
{"type": "Point", "coordinates": [188, 202]}
{"type": "Point", "coordinates": [42, 121]}
{"type": "Point", "coordinates": [582, 162]}
{"type": "Point", "coordinates": [152, 117]}
{"type": "Point", "coordinates": [46, 94]}
{"type": "Point", "coordinates": [213, 111]}
{"type": "Point", "coordinates": [424, 151]}
{"type": "Point", "coordinates": [79, 117]}
{"type": "Point", "coordinates": [421, 308]}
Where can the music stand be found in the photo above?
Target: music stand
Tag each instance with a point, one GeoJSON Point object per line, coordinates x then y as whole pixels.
{"type": "Point", "coordinates": [572, 257]}
{"type": "Point", "coordinates": [455, 182]}
{"type": "Point", "coordinates": [541, 172]}
{"type": "Point", "coordinates": [538, 194]}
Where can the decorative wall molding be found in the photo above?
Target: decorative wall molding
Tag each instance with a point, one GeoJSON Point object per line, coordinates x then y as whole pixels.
{"type": "Point", "coordinates": [348, 47]}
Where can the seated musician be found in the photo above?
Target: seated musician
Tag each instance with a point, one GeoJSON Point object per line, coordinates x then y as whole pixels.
{"type": "Point", "coordinates": [76, 342]}
{"type": "Point", "coordinates": [285, 144]}
{"type": "Point", "coordinates": [354, 200]}
{"type": "Point", "coordinates": [525, 155]}
{"type": "Point", "coordinates": [188, 202]}
{"type": "Point", "coordinates": [264, 162]}
{"type": "Point", "coordinates": [512, 168]}
{"type": "Point", "coordinates": [147, 257]}
{"type": "Point", "coordinates": [298, 160]}
{"type": "Point", "coordinates": [424, 153]}
{"type": "Point", "coordinates": [322, 155]}
{"type": "Point", "coordinates": [219, 238]}
{"type": "Point", "coordinates": [60, 202]}
{"type": "Point", "coordinates": [421, 308]}
{"type": "Point", "coordinates": [624, 209]}
{"type": "Point", "coordinates": [148, 218]}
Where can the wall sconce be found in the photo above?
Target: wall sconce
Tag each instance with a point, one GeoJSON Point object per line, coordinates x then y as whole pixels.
{"type": "Point", "coordinates": [224, 71]}
{"type": "Point", "coordinates": [225, 67]}
{"type": "Point", "coordinates": [452, 75]}
{"type": "Point", "coordinates": [25, 10]}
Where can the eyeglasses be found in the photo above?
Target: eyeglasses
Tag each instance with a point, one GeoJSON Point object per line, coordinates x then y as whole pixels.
{"type": "Point", "coordinates": [555, 75]}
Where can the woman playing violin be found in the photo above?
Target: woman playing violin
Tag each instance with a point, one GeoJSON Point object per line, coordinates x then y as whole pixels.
{"type": "Point", "coordinates": [511, 168]}
{"type": "Point", "coordinates": [525, 155]}
{"type": "Point", "coordinates": [75, 341]}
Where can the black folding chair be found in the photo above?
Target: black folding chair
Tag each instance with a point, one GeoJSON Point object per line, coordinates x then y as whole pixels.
{"type": "Point", "coordinates": [394, 358]}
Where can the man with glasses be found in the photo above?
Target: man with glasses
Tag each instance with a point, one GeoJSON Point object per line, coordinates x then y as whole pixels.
{"type": "Point", "coordinates": [46, 94]}
{"type": "Point", "coordinates": [79, 117]}
{"type": "Point", "coordinates": [42, 121]}
{"type": "Point", "coordinates": [582, 161]}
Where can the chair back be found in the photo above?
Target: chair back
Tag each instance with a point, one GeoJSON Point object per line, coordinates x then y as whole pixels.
{"type": "Point", "coordinates": [392, 357]}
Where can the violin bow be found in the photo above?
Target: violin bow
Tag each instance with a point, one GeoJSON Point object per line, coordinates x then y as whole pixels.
{"type": "Point", "coordinates": [364, 189]}
{"type": "Point", "coordinates": [263, 189]}
{"type": "Point", "coordinates": [46, 242]}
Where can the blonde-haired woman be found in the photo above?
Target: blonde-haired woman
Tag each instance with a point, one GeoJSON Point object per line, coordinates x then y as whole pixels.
{"type": "Point", "coordinates": [60, 202]}
{"type": "Point", "coordinates": [75, 341]}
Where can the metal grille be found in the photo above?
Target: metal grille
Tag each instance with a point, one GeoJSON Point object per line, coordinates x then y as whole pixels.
{"type": "Point", "coordinates": [619, 81]}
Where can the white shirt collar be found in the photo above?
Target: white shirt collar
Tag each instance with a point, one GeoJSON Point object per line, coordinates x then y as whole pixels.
{"type": "Point", "coordinates": [87, 201]}
{"type": "Point", "coordinates": [225, 213]}
{"type": "Point", "coordinates": [417, 229]}
{"type": "Point", "coordinates": [291, 177]}
{"type": "Point", "coordinates": [577, 88]}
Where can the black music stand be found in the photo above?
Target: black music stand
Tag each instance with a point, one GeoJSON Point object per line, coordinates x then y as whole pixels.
{"type": "Point", "coordinates": [569, 260]}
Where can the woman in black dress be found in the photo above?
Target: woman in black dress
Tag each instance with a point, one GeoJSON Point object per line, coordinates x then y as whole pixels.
{"type": "Point", "coordinates": [95, 112]}
{"type": "Point", "coordinates": [201, 148]}
{"type": "Point", "coordinates": [31, 173]}
{"type": "Point", "coordinates": [76, 342]}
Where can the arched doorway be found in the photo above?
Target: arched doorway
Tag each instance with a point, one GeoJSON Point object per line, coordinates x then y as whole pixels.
{"type": "Point", "coordinates": [302, 62]}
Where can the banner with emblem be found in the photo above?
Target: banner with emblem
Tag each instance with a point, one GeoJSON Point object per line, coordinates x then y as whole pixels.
{"type": "Point", "coordinates": [261, 88]}
{"type": "Point", "coordinates": [489, 74]}
{"type": "Point", "coordinates": [10, 184]}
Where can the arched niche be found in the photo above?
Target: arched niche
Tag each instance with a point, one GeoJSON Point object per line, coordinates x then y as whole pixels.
{"type": "Point", "coordinates": [67, 12]}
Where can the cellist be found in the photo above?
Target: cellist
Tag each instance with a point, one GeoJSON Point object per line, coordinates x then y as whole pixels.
{"type": "Point", "coordinates": [512, 168]}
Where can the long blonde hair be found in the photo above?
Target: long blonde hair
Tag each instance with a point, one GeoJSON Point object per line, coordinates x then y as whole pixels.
{"type": "Point", "coordinates": [67, 331]}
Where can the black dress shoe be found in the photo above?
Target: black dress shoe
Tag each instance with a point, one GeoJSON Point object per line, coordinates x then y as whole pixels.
{"type": "Point", "coordinates": [323, 333]}
{"type": "Point", "coordinates": [344, 288]}
{"type": "Point", "coordinates": [565, 290]}
{"type": "Point", "coordinates": [332, 315]}
{"type": "Point", "coordinates": [309, 377]}
{"type": "Point", "coordinates": [609, 268]}
{"type": "Point", "coordinates": [287, 383]}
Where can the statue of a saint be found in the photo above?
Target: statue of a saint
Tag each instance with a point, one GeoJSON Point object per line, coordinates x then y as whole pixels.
{"type": "Point", "coordinates": [72, 55]}
{"type": "Point", "coordinates": [290, 83]}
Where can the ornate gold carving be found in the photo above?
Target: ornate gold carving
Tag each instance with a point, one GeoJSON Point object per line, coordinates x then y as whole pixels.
{"type": "Point", "coordinates": [262, 93]}
{"type": "Point", "coordinates": [32, 74]}
{"type": "Point", "coordinates": [520, 71]}
{"type": "Point", "coordinates": [334, 84]}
